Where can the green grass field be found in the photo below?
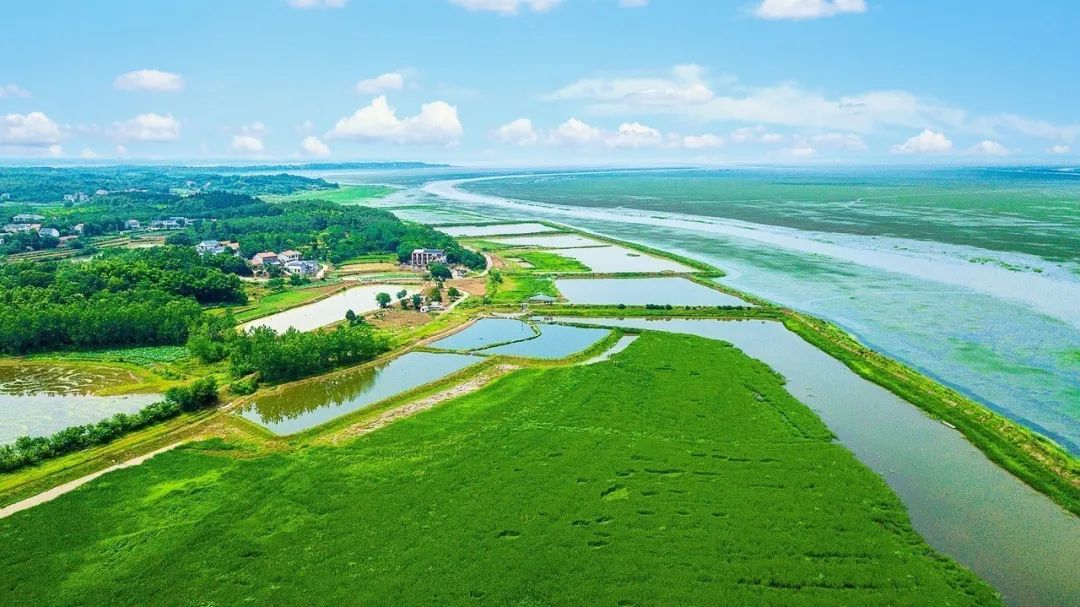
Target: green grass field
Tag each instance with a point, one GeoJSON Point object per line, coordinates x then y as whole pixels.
{"type": "Point", "coordinates": [346, 194]}
{"type": "Point", "coordinates": [544, 261]}
{"type": "Point", "coordinates": [520, 285]}
{"type": "Point", "coordinates": [680, 472]}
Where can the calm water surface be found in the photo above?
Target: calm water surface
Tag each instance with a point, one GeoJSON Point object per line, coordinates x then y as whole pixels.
{"type": "Point", "coordinates": [304, 405]}
{"type": "Point", "coordinates": [641, 291]}
{"type": "Point", "coordinates": [1019, 541]}
{"type": "Point", "coordinates": [38, 398]}
{"type": "Point", "coordinates": [487, 332]}
{"type": "Point", "coordinates": [330, 310]}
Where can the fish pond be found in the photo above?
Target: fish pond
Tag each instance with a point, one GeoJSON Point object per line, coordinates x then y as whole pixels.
{"type": "Point", "coordinates": [642, 291]}
{"type": "Point", "coordinates": [40, 398]}
{"type": "Point", "coordinates": [512, 337]}
{"type": "Point", "coordinates": [496, 229]}
{"type": "Point", "coordinates": [1026, 546]}
{"type": "Point", "coordinates": [487, 332]}
{"type": "Point", "coordinates": [300, 406]}
{"type": "Point", "coordinates": [554, 341]}
{"type": "Point", "coordinates": [553, 241]}
{"type": "Point", "coordinates": [330, 310]}
{"type": "Point", "coordinates": [620, 259]}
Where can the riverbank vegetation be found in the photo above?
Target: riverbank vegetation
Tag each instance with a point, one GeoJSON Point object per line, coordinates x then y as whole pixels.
{"type": "Point", "coordinates": [28, 451]}
{"type": "Point", "coordinates": [576, 471]}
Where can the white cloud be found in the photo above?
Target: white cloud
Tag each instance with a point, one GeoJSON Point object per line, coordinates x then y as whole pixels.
{"type": "Point", "coordinates": [804, 151]}
{"type": "Point", "coordinates": [247, 144]}
{"type": "Point", "coordinates": [88, 154]}
{"type": "Point", "coordinates": [633, 3]}
{"type": "Point", "coordinates": [507, 7]}
{"type": "Point", "coordinates": [846, 141]}
{"type": "Point", "coordinates": [518, 132]}
{"type": "Point", "coordinates": [989, 148]}
{"type": "Point", "coordinates": [148, 127]}
{"type": "Point", "coordinates": [317, 3]}
{"type": "Point", "coordinates": [121, 150]}
{"type": "Point", "coordinates": [798, 10]}
{"type": "Point", "coordinates": [437, 123]}
{"type": "Point", "coordinates": [684, 85]}
{"type": "Point", "coordinates": [255, 129]}
{"type": "Point", "coordinates": [926, 142]}
{"type": "Point", "coordinates": [1060, 148]}
{"type": "Point", "coordinates": [13, 90]}
{"type": "Point", "coordinates": [635, 135]}
{"type": "Point", "coordinates": [313, 146]}
{"type": "Point", "coordinates": [755, 134]}
{"type": "Point", "coordinates": [391, 81]}
{"type": "Point", "coordinates": [33, 130]}
{"type": "Point", "coordinates": [575, 132]}
{"type": "Point", "coordinates": [698, 142]}
{"type": "Point", "coordinates": [150, 80]}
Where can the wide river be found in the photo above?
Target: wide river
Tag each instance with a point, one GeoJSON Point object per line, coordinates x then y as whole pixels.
{"type": "Point", "coordinates": [1006, 338]}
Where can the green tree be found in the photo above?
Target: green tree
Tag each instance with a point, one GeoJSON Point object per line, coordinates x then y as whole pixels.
{"type": "Point", "coordinates": [417, 301]}
{"type": "Point", "coordinates": [383, 299]}
{"type": "Point", "coordinates": [439, 271]}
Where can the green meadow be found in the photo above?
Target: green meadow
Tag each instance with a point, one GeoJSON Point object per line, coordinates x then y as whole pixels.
{"type": "Point", "coordinates": [346, 194]}
{"type": "Point", "coordinates": [678, 472]}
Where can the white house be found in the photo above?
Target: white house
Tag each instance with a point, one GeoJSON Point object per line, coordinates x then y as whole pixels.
{"type": "Point", "coordinates": [209, 247]}
{"type": "Point", "coordinates": [49, 232]}
{"type": "Point", "coordinates": [422, 258]}
{"type": "Point", "coordinates": [290, 255]}
{"type": "Point", "coordinates": [303, 268]}
{"type": "Point", "coordinates": [132, 224]}
{"type": "Point", "coordinates": [26, 218]}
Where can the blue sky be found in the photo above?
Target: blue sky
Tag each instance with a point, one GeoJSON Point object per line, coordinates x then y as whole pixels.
{"type": "Point", "coordinates": [515, 82]}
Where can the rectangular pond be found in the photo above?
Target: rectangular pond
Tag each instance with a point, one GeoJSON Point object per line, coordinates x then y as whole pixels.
{"type": "Point", "coordinates": [554, 341]}
{"type": "Point", "coordinates": [485, 333]}
{"type": "Point", "coordinates": [665, 290]}
{"type": "Point", "coordinates": [1026, 546]}
{"type": "Point", "coordinates": [553, 241]}
{"type": "Point", "coordinates": [300, 406]}
{"type": "Point", "coordinates": [41, 398]}
{"type": "Point", "coordinates": [496, 229]}
{"type": "Point", "coordinates": [327, 311]}
{"type": "Point", "coordinates": [620, 259]}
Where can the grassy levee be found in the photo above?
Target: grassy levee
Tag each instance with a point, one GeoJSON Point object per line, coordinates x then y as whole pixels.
{"type": "Point", "coordinates": [27, 482]}
{"type": "Point", "coordinates": [1032, 458]}
{"type": "Point", "coordinates": [696, 264]}
{"type": "Point", "coordinates": [287, 300]}
{"type": "Point", "coordinates": [638, 480]}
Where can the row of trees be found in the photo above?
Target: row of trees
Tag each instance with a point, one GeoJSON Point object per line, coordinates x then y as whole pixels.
{"type": "Point", "coordinates": [27, 451]}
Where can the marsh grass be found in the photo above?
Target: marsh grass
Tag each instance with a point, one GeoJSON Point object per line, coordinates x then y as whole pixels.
{"type": "Point", "coordinates": [678, 472]}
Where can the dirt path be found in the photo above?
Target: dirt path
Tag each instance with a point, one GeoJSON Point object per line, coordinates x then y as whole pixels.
{"type": "Point", "coordinates": [59, 490]}
{"type": "Point", "coordinates": [388, 417]}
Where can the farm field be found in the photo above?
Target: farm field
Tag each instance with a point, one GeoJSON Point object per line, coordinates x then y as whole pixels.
{"type": "Point", "coordinates": [633, 480]}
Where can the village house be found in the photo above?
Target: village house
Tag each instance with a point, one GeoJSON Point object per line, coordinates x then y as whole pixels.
{"type": "Point", "coordinates": [261, 261]}
{"type": "Point", "coordinates": [49, 232]}
{"type": "Point", "coordinates": [422, 258]}
{"type": "Point", "coordinates": [209, 247]}
{"type": "Point", "coordinates": [288, 256]}
{"type": "Point", "coordinates": [13, 228]}
{"type": "Point", "coordinates": [78, 229]}
{"type": "Point", "coordinates": [132, 224]}
{"type": "Point", "coordinates": [302, 268]}
{"type": "Point", "coordinates": [27, 218]}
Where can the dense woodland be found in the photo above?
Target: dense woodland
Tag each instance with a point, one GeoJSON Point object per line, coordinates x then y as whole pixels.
{"type": "Point", "coordinates": [157, 295]}
{"type": "Point", "coordinates": [51, 184]}
{"type": "Point", "coordinates": [122, 298]}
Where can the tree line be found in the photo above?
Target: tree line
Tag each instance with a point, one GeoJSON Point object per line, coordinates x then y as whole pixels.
{"type": "Point", "coordinates": [27, 450]}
